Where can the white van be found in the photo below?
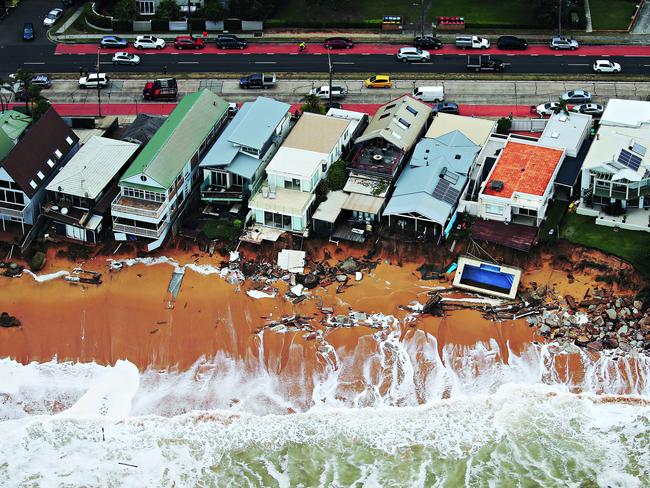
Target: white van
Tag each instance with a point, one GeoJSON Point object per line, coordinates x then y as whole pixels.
{"type": "Point", "coordinates": [429, 93]}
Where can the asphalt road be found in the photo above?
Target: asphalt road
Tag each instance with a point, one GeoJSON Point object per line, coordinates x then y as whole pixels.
{"type": "Point", "coordinates": [40, 58]}
{"type": "Point", "coordinates": [11, 28]}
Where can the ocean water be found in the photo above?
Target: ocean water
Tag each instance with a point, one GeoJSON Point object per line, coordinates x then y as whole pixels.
{"type": "Point", "coordinates": [407, 416]}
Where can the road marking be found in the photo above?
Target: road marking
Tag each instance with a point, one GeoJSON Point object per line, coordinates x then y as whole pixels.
{"type": "Point", "coordinates": [266, 62]}
{"type": "Point", "coordinates": [646, 65]}
{"type": "Point", "coordinates": [35, 62]}
{"type": "Point", "coordinates": [187, 62]}
{"type": "Point", "coordinates": [534, 54]}
{"type": "Point", "coordinates": [577, 64]}
{"type": "Point", "coordinates": [342, 62]}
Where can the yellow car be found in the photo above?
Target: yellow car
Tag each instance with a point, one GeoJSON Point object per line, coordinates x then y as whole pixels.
{"type": "Point", "coordinates": [378, 81]}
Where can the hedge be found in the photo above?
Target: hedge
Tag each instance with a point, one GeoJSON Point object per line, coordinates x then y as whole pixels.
{"type": "Point", "coordinates": [123, 26]}
{"type": "Point", "coordinates": [159, 25]}
{"type": "Point", "coordinates": [197, 25]}
{"type": "Point", "coordinates": [97, 20]}
{"type": "Point", "coordinates": [310, 24]}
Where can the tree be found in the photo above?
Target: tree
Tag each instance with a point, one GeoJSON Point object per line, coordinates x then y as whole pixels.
{"type": "Point", "coordinates": [503, 125]}
{"type": "Point", "coordinates": [313, 104]}
{"type": "Point", "coordinates": [562, 106]}
{"type": "Point", "coordinates": [337, 176]}
{"type": "Point", "coordinates": [29, 92]}
{"type": "Point", "coordinates": [125, 10]}
{"type": "Point", "coordinates": [168, 9]}
{"type": "Point", "coordinates": [252, 9]}
{"type": "Point", "coordinates": [39, 107]}
{"type": "Point", "coordinates": [214, 11]}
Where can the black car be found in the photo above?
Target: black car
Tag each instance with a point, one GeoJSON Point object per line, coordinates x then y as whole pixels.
{"type": "Point", "coordinates": [338, 43]}
{"type": "Point", "coordinates": [113, 41]}
{"type": "Point", "coordinates": [512, 42]}
{"type": "Point", "coordinates": [330, 105]}
{"type": "Point", "coordinates": [28, 31]}
{"type": "Point", "coordinates": [446, 108]}
{"type": "Point", "coordinates": [230, 42]}
{"type": "Point", "coordinates": [68, 3]}
{"type": "Point", "coordinates": [427, 42]}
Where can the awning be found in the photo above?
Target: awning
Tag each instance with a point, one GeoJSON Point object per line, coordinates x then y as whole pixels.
{"type": "Point", "coordinates": [329, 210]}
{"type": "Point", "coordinates": [363, 203]}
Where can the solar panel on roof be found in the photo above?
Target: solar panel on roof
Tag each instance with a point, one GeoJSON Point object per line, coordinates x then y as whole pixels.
{"type": "Point", "coordinates": [628, 159]}
{"type": "Point", "coordinates": [639, 149]}
{"type": "Point", "coordinates": [445, 192]}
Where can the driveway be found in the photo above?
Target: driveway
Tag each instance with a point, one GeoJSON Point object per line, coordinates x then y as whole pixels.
{"type": "Point", "coordinates": [642, 24]}
{"type": "Point", "coordinates": [34, 11]}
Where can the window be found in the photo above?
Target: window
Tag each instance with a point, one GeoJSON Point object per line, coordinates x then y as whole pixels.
{"type": "Point", "coordinates": [391, 105]}
{"type": "Point", "coordinates": [33, 184]}
{"type": "Point", "coordinates": [143, 195]}
{"type": "Point", "coordinates": [494, 209]}
{"type": "Point", "coordinates": [237, 180]}
{"type": "Point", "coordinates": [40, 175]}
{"type": "Point", "coordinates": [147, 7]}
{"type": "Point", "coordinates": [69, 140]}
{"type": "Point", "coordinates": [384, 116]}
{"type": "Point", "coordinates": [4, 184]}
{"type": "Point", "coordinates": [404, 123]}
{"type": "Point", "coordinates": [293, 184]}
{"type": "Point", "coordinates": [220, 178]}
{"type": "Point", "coordinates": [50, 163]}
{"type": "Point", "coordinates": [58, 153]}
{"type": "Point", "coordinates": [411, 109]}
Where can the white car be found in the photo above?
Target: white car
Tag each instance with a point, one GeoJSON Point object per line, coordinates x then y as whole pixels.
{"type": "Point", "coordinates": [52, 17]}
{"type": "Point", "coordinates": [547, 108]}
{"type": "Point", "coordinates": [149, 42]}
{"type": "Point", "coordinates": [126, 58]}
{"type": "Point", "coordinates": [413, 54]}
{"type": "Point", "coordinates": [93, 80]}
{"type": "Point", "coordinates": [593, 109]}
{"type": "Point", "coordinates": [606, 66]}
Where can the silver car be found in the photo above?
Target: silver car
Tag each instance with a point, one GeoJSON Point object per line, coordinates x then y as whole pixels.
{"type": "Point", "coordinates": [561, 42]}
{"type": "Point", "coordinates": [413, 54]}
{"type": "Point", "coordinates": [126, 58]}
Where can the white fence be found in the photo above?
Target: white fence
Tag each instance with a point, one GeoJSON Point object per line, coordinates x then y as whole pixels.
{"type": "Point", "coordinates": [529, 125]}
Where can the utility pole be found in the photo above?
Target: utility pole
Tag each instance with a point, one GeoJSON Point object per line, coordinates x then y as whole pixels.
{"type": "Point", "coordinates": [331, 73]}
{"type": "Point", "coordinates": [421, 4]}
{"type": "Point", "coordinates": [99, 91]}
{"type": "Point", "coordinates": [559, 18]}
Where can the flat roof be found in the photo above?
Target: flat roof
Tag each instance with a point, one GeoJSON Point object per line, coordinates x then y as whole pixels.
{"type": "Point", "coordinates": [296, 162]}
{"type": "Point", "coordinates": [330, 209]}
{"type": "Point", "coordinates": [475, 129]}
{"type": "Point", "coordinates": [317, 133]}
{"type": "Point", "coordinates": [626, 113]}
{"type": "Point", "coordinates": [523, 168]}
{"type": "Point", "coordinates": [566, 131]}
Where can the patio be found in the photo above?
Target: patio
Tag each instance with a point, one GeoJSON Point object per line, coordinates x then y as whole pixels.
{"type": "Point", "coordinates": [633, 219]}
{"type": "Point", "coordinates": [377, 157]}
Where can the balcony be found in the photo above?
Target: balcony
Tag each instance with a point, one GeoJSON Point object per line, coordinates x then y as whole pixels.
{"type": "Point", "coordinates": [218, 193]}
{"type": "Point", "coordinates": [137, 206]}
{"type": "Point", "coordinates": [139, 231]}
{"type": "Point", "coordinates": [377, 157]}
{"type": "Point", "coordinates": [62, 212]}
{"type": "Point", "coordinates": [12, 210]}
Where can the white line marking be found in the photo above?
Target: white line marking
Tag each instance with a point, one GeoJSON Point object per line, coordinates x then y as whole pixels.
{"type": "Point", "coordinates": [575, 64]}
{"type": "Point", "coordinates": [35, 62]}
{"type": "Point", "coordinates": [266, 62]}
{"type": "Point", "coordinates": [342, 62]}
{"type": "Point", "coordinates": [187, 62]}
{"type": "Point", "coordinates": [534, 54]}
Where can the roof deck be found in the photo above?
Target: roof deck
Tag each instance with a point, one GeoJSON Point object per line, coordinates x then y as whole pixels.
{"type": "Point", "coordinates": [377, 157]}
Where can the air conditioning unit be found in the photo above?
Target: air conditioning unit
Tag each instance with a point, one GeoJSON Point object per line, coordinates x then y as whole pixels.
{"type": "Point", "coordinates": [496, 185]}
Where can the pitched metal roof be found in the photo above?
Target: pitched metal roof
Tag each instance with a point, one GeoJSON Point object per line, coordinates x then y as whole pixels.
{"type": "Point", "coordinates": [476, 129]}
{"type": "Point", "coordinates": [93, 167]}
{"type": "Point", "coordinates": [12, 125]}
{"type": "Point", "coordinates": [35, 153]}
{"type": "Point", "coordinates": [143, 128]}
{"type": "Point", "coordinates": [400, 122]}
{"type": "Point", "coordinates": [164, 156]}
{"type": "Point", "coordinates": [256, 125]}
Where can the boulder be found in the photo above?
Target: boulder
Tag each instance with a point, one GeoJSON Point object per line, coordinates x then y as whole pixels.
{"type": "Point", "coordinates": [598, 321]}
{"type": "Point", "coordinates": [310, 281]}
{"type": "Point", "coordinates": [7, 320]}
{"type": "Point", "coordinates": [623, 330]}
{"type": "Point", "coordinates": [583, 340]}
{"type": "Point", "coordinates": [350, 265]}
{"type": "Point", "coordinates": [341, 278]}
{"type": "Point", "coordinates": [611, 314]}
{"type": "Point", "coordinates": [610, 343]}
{"type": "Point", "coordinates": [638, 304]}
{"type": "Point", "coordinates": [624, 346]}
{"type": "Point", "coordinates": [619, 302]}
{"type": "Point", "coordinates": [595, 345]}
{"type": "Point", "coordinates": [544, 329]}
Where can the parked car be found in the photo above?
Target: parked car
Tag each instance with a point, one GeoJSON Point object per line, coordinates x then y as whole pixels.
{"type": "Point", "coordinates": [547, 108]}
{"type": "Point", "coordinates": [378, 81]}
{"type": "Point", "coordinates": [323, 92]}
{"type": "Point", "coordinates": [92, 80]}
{"type": "Point", "coordinates": [52, 17]}
{"type": "Point", "coordinates": [472, 42]}
{"type": "Point", "coordinates": [188, 42]}
{"type": "Point", "coordinates": [230, 42]}
{"type": "Point", "coordinates": [336, 105]}
{"type": "Point", "coordinates": [484, 63]}
{"type": "Point", "coordinates": [28, 31]}
{"type": "Point", "coordinates": [258, 80]}
{"type": "Point", "coordinates": [113, 42]}
{"type": "Point", "coordinates": [162, 89]}
{"type": "Point", "coordinates": [68, 3]}
{"type": "Point", "coordinates": [338, 43]}
{"type": "Point", "coordinates": [606, 66]}
{"type": "Point", "coordinates": [427, 42]}
{"type": "Point", "coordinates": [446, 108]}
{"type": "Point", "coordinates": [149, 42]}
{"type": "Point", "coordinates": [577, 96]}
{"type": "Point", "coordinates": [43, 81]}
{"type": "Point", "coordinates": [593, 109]}
{"type": "Point", "coordinates": [512, 42]}
{"type": "Point", "coordinates": [126, 58]}
{"type": "Point", "coordinates": [413, 54]}
{"type": "Point", "coordinates": [561, 42]}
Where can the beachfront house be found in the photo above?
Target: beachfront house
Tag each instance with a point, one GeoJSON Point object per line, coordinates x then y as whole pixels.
{"type": "Point", "coordinates": [79, 196]}
{"type": "Point", "coordinates": [427, 192]}
{"type": "Point", "coordinates": [155, 187]}
{"type": "Point", "coordinates": [284, 200]}
{"type": "Point", "coordinates": [32, 154]}
{"type": "Point", "coordinates": [378, 156]}
{"type": "Point", "coordinates": [234, 167]}
{"type": "Point", "coordinates": [615, 186]}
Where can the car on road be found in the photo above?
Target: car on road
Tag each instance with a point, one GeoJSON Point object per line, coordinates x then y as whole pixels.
{"type": "Point", "coordinates": [188, 42]}
{"type": "Point", "coordinates": [323, 92]}
{"type": "Point", "coordinates": [577, 96]}
{"type": "Point", "coordinates": [43, 81]}
{"type": "Point", "coordinates": [149, 42]}
{"type": "Point", "coordinates": [230, 42]}
{"type": "Point", "coordinates": [126, 58]}
{"type": "Point", "coordinates": [258, 80]}
{"type": "Point", "coordinates": [336, 105]}
{"type": "Point", "coordinates": [606, 66]}
{"type": "Point", "coordinates": [512, 42]}
{"type": "Point", "coordinates": [427, 42]}
{"type": "Point", "coordinates": [113, 42]}
{"type": "Point", "coordinates": [52, 17]}
{"type": "Point", "coordinates": [28, 31]}
{"type": "Point", "coordinates": [338, 43]}
{"type": "Point", "coordinates": [561, 42]}
{"type": "Point", "coordinates": [68, 3]}
{"type": "Point", "coordinates": [446, 108]}
{"type": "Point", "coordinates": [413, 54]}
{"type": "Point", "coordinates": [548, 108]}
{"type": "Point", "coordinates": [593, 109]}
{"type": "Point", "coordinates": [378, 81]}
{"type": "Point", "coordinates": [160, 89]}
{"type": "Point", "coordinates": [93, 80]}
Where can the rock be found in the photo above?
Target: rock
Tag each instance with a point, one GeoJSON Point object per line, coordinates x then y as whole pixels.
{"type": "Point", "coordinates": [624, 346]}
{"type": "Point", "coordinates": [619, 302]}
{"type": "Point", "coordinates": [639, 336]}
{"type": "Point", "coordinates": [544, 329]}
{"type": "Point", "coordinates": [571, 302]}
{"type": "Point", "coordinates": [310, 281]}
{"type": "Point", "coordinates": [360, 316]}
{"type": "Point", "coordinates": [638, 304]}
{"type": "Point", "coordinates": [623, 330]}
{"type": "Point", "coordinates": [350, 265]}
{"type": "Point", "coordinates": [341, 278]}
{"type": "Point", "coordinates": [7, 320]}
{"type": "Point", "coordinates": [583, 340]}
{"type": "Point", "coordinates": [598, 321]}
{"type": "Point", "coordinates": [611, 314]}
{"type": "Point", "coordinates": [595, 345]}
{"type": "Point", "coordinates": [610, 343]}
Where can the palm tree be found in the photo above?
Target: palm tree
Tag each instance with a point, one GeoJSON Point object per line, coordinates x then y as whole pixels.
{"type": "Point", "coordinates": [562, 106]}
{"type": "Point", "coordinates": [311, 103]}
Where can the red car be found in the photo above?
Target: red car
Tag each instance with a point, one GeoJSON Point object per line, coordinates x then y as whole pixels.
{"type": "Point", "coordinates": [338, 43]}
{"type": "Point", "coordinates": [188, 42]}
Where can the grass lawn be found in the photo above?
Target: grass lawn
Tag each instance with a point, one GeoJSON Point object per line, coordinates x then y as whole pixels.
{"type": "Point", "coordinates": [218, 229]}
{"type": "Point", "coordinates": [611, 14]}
{"type": "Point", "coordinates": [485, 11]}
{"type": "Point", "coordinates": [629, 245]}
{"type": "Point", "coordinates": [554, 214]}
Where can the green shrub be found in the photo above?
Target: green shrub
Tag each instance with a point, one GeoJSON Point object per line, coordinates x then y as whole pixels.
{"type": "Point", "coordinates": [310, 24]}
{"type": "Point", "coordinates": [159, 25]}
{"type": "Point", "coordinates": [503, 125]}
{"type": "Point", "coordinates": [122, 26]}
{"type": "Point", "coordinates": [238, 224]}
{"type": "Point", "coordinates": [96, 20]}
{"type": "Point", "coordinates": [338, 175]}
{"type": "Point", "coordinates": [37, 262]}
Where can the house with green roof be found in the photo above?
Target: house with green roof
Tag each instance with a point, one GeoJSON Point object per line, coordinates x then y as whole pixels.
{"type": "Point", "coordinates": [156, 186]}
{"type": "Point", "coordinates": [12, 126]}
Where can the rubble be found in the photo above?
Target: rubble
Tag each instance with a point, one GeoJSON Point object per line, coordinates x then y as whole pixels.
{"type": "Point", "coordinates": [7, 320]}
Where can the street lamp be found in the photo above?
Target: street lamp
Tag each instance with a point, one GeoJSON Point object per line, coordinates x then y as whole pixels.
{"type": "Point", "coordinates": [421, 5]}
{"type": "Point", "coordinates": [99, 91]}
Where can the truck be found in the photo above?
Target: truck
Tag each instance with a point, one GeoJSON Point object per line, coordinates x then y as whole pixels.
{"type": "Point", "coordinates": [484, 63]}
{"type": "Point", "coordinates": [323, 92]}
{"type": "Point", "coordinates": [161, 89]}
{"type": "Point", "coordinates": [472, 42]}
{"type": "Point", "coordinates": [258, 80]}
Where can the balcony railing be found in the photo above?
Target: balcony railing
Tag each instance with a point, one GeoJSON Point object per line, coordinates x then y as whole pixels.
{"type": "Point", "coordinates": [10, 212]}
{"type": "Point", "coordinates": [136, 206]}
{"type": "Point", "coordinates": [138, 231]}
{"type": "Point", "coordinates": [219, 193]}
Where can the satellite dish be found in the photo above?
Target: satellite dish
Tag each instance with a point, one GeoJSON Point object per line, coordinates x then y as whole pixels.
{"type": "Point", "coordinates": [86, 194]}
{"type": "Point", "coordinates": [64, 211]}
{"type": "Point", "coordinates": [59, 189]}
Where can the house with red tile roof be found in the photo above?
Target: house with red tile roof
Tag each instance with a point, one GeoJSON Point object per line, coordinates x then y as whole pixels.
{"type": "Point", "coordinates": [520, 184]}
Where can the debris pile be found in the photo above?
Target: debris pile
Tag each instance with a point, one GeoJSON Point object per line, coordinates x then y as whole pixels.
{"type": "Point", "coordinates": [10, 270]}
{"type": "Point", "coordinates": [7, 320]}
